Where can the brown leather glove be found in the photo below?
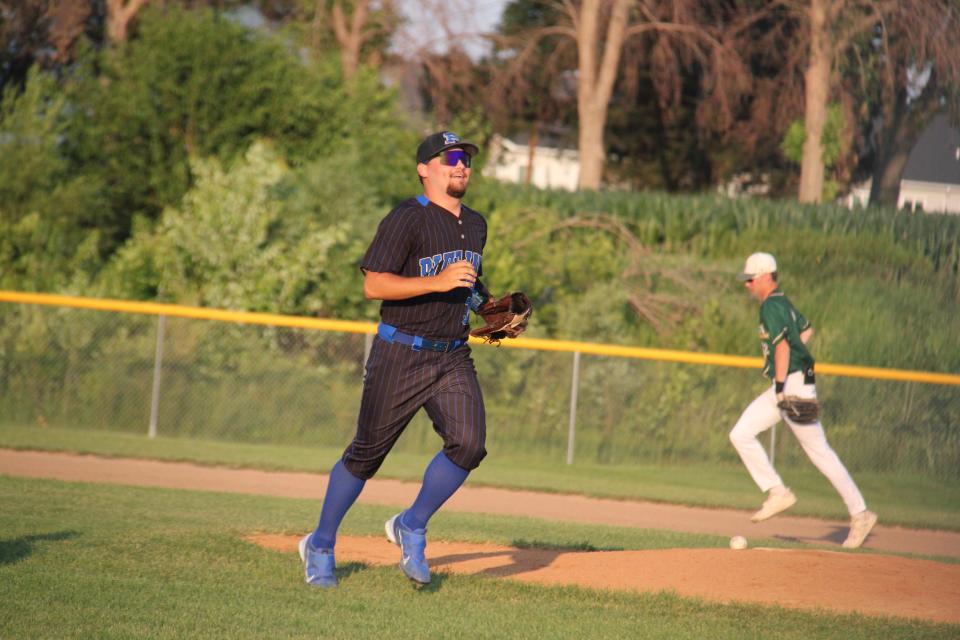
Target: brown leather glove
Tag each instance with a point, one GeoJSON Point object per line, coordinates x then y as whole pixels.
{"type": "Point", "coordinates": [800, 410]}
{"type": "Point", "coordinates": [504, 318]}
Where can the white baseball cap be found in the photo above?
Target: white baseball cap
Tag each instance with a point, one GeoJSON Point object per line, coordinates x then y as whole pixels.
{"type": "Point", "coordinates": [758, 264]}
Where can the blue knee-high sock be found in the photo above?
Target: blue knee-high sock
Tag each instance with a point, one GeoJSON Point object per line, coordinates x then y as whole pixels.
{"type": "Point", "coordinates": [342, 491]}
{"type": "Point", "coordinates": [440, 481]}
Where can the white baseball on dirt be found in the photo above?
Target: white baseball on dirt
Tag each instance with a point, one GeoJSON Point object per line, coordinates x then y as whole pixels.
{"type": "Point", "coordinates": [738, 542]}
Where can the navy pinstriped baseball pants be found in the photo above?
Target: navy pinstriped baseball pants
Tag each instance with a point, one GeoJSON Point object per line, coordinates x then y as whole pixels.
{"type": "Point", "coordinates": [398, 382]}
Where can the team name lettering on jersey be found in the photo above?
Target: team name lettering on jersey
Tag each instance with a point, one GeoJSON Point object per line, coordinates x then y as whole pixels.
{"type": "Point", "coordinates": [432, 265]}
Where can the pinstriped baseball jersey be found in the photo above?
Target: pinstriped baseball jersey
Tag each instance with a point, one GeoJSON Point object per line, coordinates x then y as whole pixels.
{"type": "Point", "coordinates": [417, 240]}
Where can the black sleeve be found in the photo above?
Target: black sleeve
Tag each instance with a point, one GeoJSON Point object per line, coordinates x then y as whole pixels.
{"type": "Point", "coordinates": [482, 289]}
{"type": "Point", "coordinates": [396, 237]}
{"type": "Point", "coordinates": [483, 246]}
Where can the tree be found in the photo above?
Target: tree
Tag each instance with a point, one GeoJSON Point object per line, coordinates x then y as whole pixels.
{"type": "Point", "coordinates": [833, 143]}
{"type": "Point", "coordinates": [363, 28]}
{"type": "Point", "coordinates": [195, 83]}
{"type": "Point", "coordinates": [358, 30]}
{"type": "Point", "coordinates": [536, 91]}
{"type": "Point", "coordinates": [919, 75]}
{"type": "Point", "coordinates": [598, 57]}
{"type": "Point", "coordinates": [678, 34]}
{"type": "Point", "coordinates": [450, 84]}
{"type": "Point", "coordinates": [830, 28]}
{"type": "Point", "coordinates": [49, 215]}
{"type": "Point", "coordinates": [42, 32]}
{"type": "Point", "coordinates": [119, 15]}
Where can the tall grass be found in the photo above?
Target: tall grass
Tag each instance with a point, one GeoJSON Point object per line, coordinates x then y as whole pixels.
{"type": "Point", "coordinates": [707, 223]}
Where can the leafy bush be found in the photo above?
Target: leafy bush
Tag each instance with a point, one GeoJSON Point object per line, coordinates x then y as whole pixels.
{"type": "Point", "coordinates": [229, 245]}
{"type": "Point", "coordinates": [832, 142]}
{"type": "Point", "coordinates": [49, 217]}
{"type": "Point", "coordinates": [196, 84]}
{"type": "Point", "coordinates": [862, 277]}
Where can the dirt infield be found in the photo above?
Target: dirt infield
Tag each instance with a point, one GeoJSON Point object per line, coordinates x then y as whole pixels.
{"type": "Point", "coordinates": [869, 584]}
{"type": "Point", "coordinates": [473, 499]}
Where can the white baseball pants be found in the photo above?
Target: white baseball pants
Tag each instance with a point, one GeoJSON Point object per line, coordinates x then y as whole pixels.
{"type": "Point", "coordinates": [762, 414]}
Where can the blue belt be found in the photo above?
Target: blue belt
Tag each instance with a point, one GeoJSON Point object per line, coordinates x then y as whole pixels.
{"type": "Point", "coordinates": [389, 333]}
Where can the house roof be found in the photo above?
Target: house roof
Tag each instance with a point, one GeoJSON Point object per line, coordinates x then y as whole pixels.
{"type": "Point", "coordinates": [936, 156]}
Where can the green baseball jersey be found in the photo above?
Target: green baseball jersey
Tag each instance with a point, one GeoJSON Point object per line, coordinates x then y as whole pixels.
{"type": "Point", "coordinates": [780, 320]}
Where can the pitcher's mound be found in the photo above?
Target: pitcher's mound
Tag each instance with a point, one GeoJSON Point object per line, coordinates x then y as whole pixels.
{"type": "Point", "coordinates": [869, 584]}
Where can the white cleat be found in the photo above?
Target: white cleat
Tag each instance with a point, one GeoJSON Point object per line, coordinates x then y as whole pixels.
{"type": "Point", "coordinates": [388, 526]}
{"type": "Point", "coordinates": [774, 504]}
{"type": "Point", "coordinates": [860, 527]}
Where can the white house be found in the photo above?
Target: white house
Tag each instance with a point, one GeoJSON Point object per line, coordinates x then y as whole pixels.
{"type": "Point", "coordinates": [553, 166]}
{"type": "Point", "coordinates": [931, 177]}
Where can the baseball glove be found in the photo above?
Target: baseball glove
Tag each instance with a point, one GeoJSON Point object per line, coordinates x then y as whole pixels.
{"type": "Point", "coordinates": [504, 318]}
{"type": "Point", "coordinates": [800, 410]}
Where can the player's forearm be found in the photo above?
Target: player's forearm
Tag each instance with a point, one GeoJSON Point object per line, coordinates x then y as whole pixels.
{"type": "Point", "coordinates": [781, 360]}
{"type": "Point", "coordinates": [390, 286]}
{"type": "Point", "coordinates": [806, 334]}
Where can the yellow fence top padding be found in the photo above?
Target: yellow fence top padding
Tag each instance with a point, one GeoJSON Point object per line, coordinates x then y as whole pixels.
{"type": "Point", "coordinates": [350, 326]}
{"type": "Point", "coordinates": [179, 311]}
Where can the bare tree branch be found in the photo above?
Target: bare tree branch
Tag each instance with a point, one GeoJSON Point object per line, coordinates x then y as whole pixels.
{"type": "Point", "coordinates": [119, 15]}
{"type": "Point", "coordinates": [644, 274]}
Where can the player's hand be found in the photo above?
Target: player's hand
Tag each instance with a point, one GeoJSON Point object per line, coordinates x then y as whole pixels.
{"type": "Point", "coordinates": [781, 396]}
{"type": "Point", "coordinates": [457, 274]}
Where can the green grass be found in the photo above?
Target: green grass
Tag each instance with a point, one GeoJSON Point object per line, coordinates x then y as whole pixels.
{"type": "Point", "coordinates": [913, 501]}
{"type": "Point", "coordinates": [102, 561]}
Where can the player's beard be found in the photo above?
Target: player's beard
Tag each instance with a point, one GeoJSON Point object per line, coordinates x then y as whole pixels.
{"type": "Point", "coordinates": [457, 188]}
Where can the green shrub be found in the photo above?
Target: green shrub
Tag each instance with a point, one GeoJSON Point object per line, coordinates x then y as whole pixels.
{"type": "Point", "coordinates": [197, 84]}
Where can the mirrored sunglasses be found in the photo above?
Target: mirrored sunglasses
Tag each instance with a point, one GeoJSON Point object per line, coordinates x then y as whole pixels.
{"type": "Point", "coordinates": [451, 157]}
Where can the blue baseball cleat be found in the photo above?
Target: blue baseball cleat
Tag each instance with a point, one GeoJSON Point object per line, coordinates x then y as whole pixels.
{"type": "Point", "coordinates": [318, 565]}
{"type": "Point", "coordinates": [412, 546]}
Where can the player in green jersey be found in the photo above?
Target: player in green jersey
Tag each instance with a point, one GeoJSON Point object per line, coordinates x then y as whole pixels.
{"type": "Point", "coordinates": [784, 334]}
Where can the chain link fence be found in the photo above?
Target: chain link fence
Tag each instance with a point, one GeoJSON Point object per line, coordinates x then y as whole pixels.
{"type": "Point", "coordinates": [98, 370]}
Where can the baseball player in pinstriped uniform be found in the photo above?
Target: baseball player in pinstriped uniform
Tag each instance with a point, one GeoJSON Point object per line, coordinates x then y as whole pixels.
{"type": "Point", "coordinates": [784, 334]}
{"type": "Point", "coordinates": [423, 264]}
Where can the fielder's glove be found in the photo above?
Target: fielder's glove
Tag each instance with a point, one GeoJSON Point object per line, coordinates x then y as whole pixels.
{"type": "Point", "coordinates": [800, 410]}
{"type": "Point", "coordinates": [504, 318]}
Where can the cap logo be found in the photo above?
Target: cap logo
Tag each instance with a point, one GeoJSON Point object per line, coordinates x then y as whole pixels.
{"type": "Point", "coordinates": [450, 138]}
